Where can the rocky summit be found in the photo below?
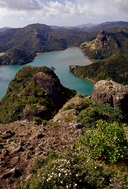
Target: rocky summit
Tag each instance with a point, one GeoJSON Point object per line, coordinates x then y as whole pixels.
{"type": "Point", "coordinates": [22, 142]}
{"type": "Point", "coordinates": [104, 40]}
{"type": "Point", "coordinates": [35, 92]}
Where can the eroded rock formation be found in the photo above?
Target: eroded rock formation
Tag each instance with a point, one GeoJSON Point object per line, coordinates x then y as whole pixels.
{"type": "Point", "coordinates": [113, 93]}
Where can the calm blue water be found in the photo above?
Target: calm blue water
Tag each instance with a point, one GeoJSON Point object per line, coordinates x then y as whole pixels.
{"type": "Point", "coordinates": [60, 60]}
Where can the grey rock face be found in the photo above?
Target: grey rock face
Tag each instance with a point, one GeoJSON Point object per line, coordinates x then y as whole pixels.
{"type": "Point", "coordinates": [112, 93]}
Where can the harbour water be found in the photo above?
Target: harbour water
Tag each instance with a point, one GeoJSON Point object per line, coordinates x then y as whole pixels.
{"type": "Point", "coordinates": [60, 60]}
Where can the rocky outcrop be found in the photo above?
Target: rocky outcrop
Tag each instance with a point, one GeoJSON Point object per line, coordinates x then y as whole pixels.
{"type": "Point", "coordinates": [113, 93]}
{"type": "Point", "coordinates": [34, 92]}
{"type": "Point", "coordinates": [72, 68]}
{"type": "Point", "coordinates": [50, 84]}
{"type": "Point", "coordinates": [104, 40]}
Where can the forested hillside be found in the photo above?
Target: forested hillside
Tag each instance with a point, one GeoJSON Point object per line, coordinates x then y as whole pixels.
{"type": "Point", "coordinates": [20, 45]}
{"type": "Point", "coordinates": [109, 54]}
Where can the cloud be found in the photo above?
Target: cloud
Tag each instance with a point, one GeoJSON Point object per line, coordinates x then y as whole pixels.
{"type": "Point", "coordinates": [62, 12]}
{"type": "Point", "coordinates": [21, 4]}
{"type": "Point", "coordinates": [122, 6]}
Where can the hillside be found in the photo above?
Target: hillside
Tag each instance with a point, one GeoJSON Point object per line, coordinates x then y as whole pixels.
{"type": "Point", "coordinates": [85, 145]}
{"type": "Point", "coordinates": [106, 44]}
{"type": "Point", "coordinates": [34, 93]}
{"type": "Point", "coordinates": [109, 53]}
{"type": "Point", "coordinates": [53, 138]}
{"type": "Point", "coordinates": [21, 44]}
{"type": "Point", "coordinates": [4, 29]}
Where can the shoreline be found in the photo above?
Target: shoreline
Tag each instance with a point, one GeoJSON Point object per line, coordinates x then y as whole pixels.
{"type": "Point", "coordinates": [39, 54]}
{"type": "Point", "coordinates": [87, 79]}
{"type": "Point", "coordinates": [90, 80]}
{"type": "Point", "coordinates": [72, 47]}
{"type": "Point", "coordinates": [91, 62]}
{"type": "Point", "coordinates": [86, 56]}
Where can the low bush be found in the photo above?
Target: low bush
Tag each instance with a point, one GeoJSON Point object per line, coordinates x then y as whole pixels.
{"type": "Point", "coordinates": [72, 171]}
{"type": "Point", "coordinates": [107, 142]}
{"type": "Point", "coordinates": [89, 116]}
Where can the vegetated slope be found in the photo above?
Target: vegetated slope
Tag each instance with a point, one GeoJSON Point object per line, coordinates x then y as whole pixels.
{"type": "Point", "coordinates": [34, 92]}
{"type": "Point", "coordinates": [40, 37]}
{"type": "Point", "coordinates": [65, 154]}
{"type": "Point", "coordinates": [110, 56]}
{"type": "Point", "coordinates": [73, 36]}
{"type": "Point", "coordinates": [114, 68]}
{"type": "Point", "coordinates": [106, 44]}
{"type": "Point", "coordinates": [21, 45]}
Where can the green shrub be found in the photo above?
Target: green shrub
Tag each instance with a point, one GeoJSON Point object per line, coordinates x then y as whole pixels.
{"type": "Point", "coordinates": [107, 142]}
{"type": "Point", "coordinates": [37, 120]}
{"type": "Point", "coordinates": [72, 171]}
{"type": "Point", "coordinates": [89, 116]}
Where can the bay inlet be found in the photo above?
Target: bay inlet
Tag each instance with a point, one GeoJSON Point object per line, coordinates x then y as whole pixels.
{"type": "Point", "coordinates": [60, 60]}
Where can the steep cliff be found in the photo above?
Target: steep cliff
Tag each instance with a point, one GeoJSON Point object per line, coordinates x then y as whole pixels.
{"type": "Point", "coordinates": [104, 45]}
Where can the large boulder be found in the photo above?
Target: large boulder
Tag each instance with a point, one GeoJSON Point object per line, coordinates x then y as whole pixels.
{"type": "Point", "coordinates": [113, 93]}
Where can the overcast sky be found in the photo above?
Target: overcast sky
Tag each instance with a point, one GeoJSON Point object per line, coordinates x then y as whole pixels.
{"type": "Point", "coordinates": [19, 13]}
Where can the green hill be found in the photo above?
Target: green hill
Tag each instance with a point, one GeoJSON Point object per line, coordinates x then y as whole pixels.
{"type": "Point", "coordinates": [34, 92]}
{"type": "Point", "coordinates": [21, 45]}
{"type": "Point", "coordinates": [109, 55]}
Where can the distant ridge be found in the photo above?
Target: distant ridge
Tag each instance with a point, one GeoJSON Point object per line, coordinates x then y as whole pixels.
{"type": "Point", "coordinates": [106, 26]}
{"type": "Point", "coordinates": [90, 27]}
{"type": "Point", "coordinates": [86, 25]}
{"type": "Point", "coordinates": [4, 29]}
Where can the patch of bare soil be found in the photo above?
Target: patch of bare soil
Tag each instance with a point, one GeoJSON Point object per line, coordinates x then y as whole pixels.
{"type": "Point", "coordinates": [22, 142]}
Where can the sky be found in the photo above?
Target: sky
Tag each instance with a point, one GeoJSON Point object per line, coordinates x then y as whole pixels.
{"type": "Point", "coordinates": [19, 13]}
